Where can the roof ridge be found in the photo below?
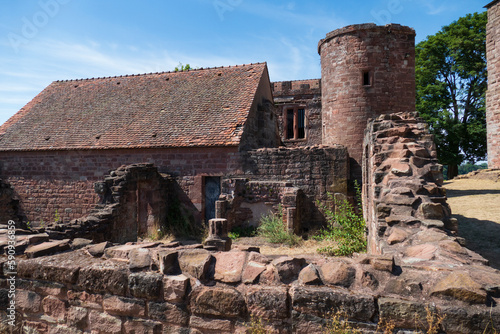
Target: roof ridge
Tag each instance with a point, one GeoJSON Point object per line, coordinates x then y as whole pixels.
{"type": "Point", "coordinates": [295, 80]}
{"type": "Point", "coordinates": [163, 72]}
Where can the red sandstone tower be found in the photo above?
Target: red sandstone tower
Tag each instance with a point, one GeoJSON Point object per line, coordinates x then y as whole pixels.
{"type": "Point", "coordinates": [366, 70]}
{"type": "Point", "coordinates": [493, 94]}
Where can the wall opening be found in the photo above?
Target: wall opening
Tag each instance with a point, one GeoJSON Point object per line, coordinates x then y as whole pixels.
{"type": "Point", "coordinates": [366, 78]}
{"type": "Point", "coordinates": [212, 190]}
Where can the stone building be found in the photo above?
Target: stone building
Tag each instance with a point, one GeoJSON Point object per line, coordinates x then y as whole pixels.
{"type": "Point", "coordinates": [220, 133]}
{"type": "Point", "coordinates": [493, 94]}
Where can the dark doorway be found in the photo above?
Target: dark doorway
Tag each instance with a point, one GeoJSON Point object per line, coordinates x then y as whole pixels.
{"type": "Point", "coordinates": [212, 193]}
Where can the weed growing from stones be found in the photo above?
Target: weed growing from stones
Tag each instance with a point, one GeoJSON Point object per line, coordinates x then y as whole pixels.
{"type": "Point", "coordinates": [255, 326]}
{"type": "Point", "coordinates": [345, 227]}
{"type": "Point", "coordinates": [338, 324]}
{"type": "Point", "coordinates": [273, 228]}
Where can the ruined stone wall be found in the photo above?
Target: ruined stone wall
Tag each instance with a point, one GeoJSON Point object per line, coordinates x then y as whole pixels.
{"type": "Point", "coordinates": [493, 94]}
{"type": "Point", "coordinates": [64, 180]}
{"type": "Point", "coordinates": [9, 205]}
{"type": "Point", "coordinates": [154, 288]}
{"type": "Point", "coordinates": [315, 170]}
{"type": "Point", "coordinates": [366, 70]}
{"type": "Point", "coordinates": [304, 94]}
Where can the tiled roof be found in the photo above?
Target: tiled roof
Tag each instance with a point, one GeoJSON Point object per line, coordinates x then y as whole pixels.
{"type": "Point", "coordinates": [206, 107]}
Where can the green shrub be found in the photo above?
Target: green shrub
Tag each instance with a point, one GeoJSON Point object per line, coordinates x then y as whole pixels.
{"type": "Point", "coordinates": [345, 227]}
{"type": "Point", "coordinates": [242, 231]}
{"type": "Point", "coordinates": [273, 228]}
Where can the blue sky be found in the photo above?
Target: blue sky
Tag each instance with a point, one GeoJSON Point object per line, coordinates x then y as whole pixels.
{"type": "Point", "coordinates": [46, 40]}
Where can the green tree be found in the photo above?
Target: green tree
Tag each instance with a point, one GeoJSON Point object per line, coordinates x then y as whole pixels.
{"type": "Point", "coordinates": [180, 67]}
{"type": "Point", "coordinates": [451, 83]}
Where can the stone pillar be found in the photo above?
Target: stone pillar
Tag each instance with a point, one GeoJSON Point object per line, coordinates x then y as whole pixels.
{"type": "Point", "coordinates": [220, 208]}
{"type": "Point", "coordinates": [217, 235]}
{"type": "Point", "coordinates": [291, 219]}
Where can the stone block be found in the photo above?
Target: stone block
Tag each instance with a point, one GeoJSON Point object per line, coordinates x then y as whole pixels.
{"type": "Point", "coordinates": [431, 211]}
{"type": "Point", "coordinates": [288, 268]}
{"type": "Point", "coordinates": [459, 285]}
{"type": "Point", "coordinates": [309, 275]}
{"type": "Point", "coordinates": [197, 263]}
{"type": "Point", "coordinates": [141, 327]}
{"type": "Point", "coordinates": [47, 248]}
{"type": "Point", "coordinates": [104, 278]}
{"type": "Point", "coordinates": [217, 301]}
{"type": "Point", "coordinates": [123, 306]}
{"type": "Point", "coordinates": [397, 235]}
{"type": "Point", "coordinates": [139, 259]}
{"type": "Point", "coordinates": [318, 301]}
{"type": "Point", "coordinates": [41, 327]}
{"type": "Point", "coordinates": [403, 313]}
{"type": "Point", "coordinates": [207, 325]}
{"type": "Point", "coordinates": [63, 268]}
{"type": "Point", "coordinates": [145, 285]}
{"type": "Point", "coordinates": [98, 250]}
{"type": "Point", "coordinates": [28, 301]}
{"type": "Point", "coordinates": [175, 314]}
{"type": "Point", "coordinates": [77, 317]}
{"type": "Point", "coordinates": [54, 307]}
{"type": "Point", "coordinates": [168, 262]}
{"type": "Point", "coordinates": [104, 323]}
{"type": "Point", "coordinates": [424, 252]}
{"type": "Point", "coordinates": [229, 266]}
{"type": "Point", "coordinates": [175, 288]}
{"type": "Point", "coordinates": [78, 243]}
{"type": "Point", "coordinates": [337, 273]}
{"type": "Point", "coordinates": [49, 288]}
{"type": "Point", "coordinates": [252, 272]}
{"type": "Point", "coordinates": [84, 299]}
{"type": "Point", "coordinates": [270, 303]}
{"type": "Point", "coordinates": [61, 329]}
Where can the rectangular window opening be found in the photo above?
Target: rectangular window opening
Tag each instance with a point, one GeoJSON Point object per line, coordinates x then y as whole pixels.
{"type": "Point", "coordinates": [289, 124]}
{"type": "Point", "coordinates": [302, 124]}
{"type": "Point", "coordinates": [366, 78]}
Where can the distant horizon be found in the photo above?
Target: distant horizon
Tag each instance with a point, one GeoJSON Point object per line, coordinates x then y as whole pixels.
{"type": "Point", "coordinates": [51, 40]}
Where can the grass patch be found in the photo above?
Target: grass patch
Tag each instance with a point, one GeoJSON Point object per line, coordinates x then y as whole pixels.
{"type": "Point", "coordinates": [345, 227]}
{"type": "Point", "coordinates": [273, 229]}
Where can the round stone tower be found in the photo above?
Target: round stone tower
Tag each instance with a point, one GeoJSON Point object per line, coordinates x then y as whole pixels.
{"type": "Point", "coordinates": [366, 70]}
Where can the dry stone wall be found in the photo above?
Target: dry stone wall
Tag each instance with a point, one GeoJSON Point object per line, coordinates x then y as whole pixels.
{"type": "Point", "coordinates": [169, 288]}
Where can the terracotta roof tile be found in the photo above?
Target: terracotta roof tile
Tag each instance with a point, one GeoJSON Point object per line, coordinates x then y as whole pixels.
{"type": "Point", "coordinates": [205, 107]}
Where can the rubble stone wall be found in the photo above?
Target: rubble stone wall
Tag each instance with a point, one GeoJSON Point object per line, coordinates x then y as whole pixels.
{"type": "Point", "coordinates": [152, 288]}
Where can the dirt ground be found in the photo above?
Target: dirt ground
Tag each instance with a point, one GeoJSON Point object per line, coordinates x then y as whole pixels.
{"type": "Point", "coordinates": [475, 202]}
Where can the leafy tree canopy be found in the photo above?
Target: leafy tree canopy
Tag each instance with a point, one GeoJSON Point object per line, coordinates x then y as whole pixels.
{"type": "Point", "coordinates": [451, 81]}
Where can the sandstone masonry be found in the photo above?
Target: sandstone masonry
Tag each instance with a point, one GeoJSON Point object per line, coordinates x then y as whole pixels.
{"type": "Point", "coordinates": [493, 94]}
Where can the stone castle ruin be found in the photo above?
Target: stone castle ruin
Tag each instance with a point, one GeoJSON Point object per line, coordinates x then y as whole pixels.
{"type": "Point", "coordinates": [113, 160]}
